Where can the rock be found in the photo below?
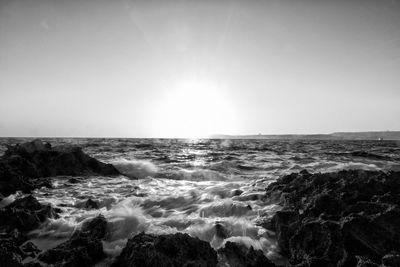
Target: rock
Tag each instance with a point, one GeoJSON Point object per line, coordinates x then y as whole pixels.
{"type": "Point", "coordinates": [84, 248]}
{"type": "Point", "coordinates": [284, 223]}
{"type": "Point", "coordinates": [365, 262]}
{"type": "Point", "coordinates": [25, 214]}
{"type": "Point", "coordinates": [95, 228]}
{"type": "Point", "coordinates": [30, 249]}
{"type": "Point", "coordinates": [73, 180]}
{"type": "Point", "coordinates": [22, 165]}
{"type": "Point", "coordinates": [90, 204]}
{"type": "Point", "coordinates": [236, 192]}
{"type": "Point", "coordinates": [166, 250]}
{"type": "Point", "coordinates": [33, 264]}
{"type": "Point", "coordinates": [391, 260]}
{"type": "Point", "coordinates": [238, 255]}
{"type": "Point", "coordinates": [19, 217]}
{"type": "Point", "coordinates": [220, 231]}
{"type": "Point", "coordinates": [346, 218]}
{"type": "Point", "coordinates": [315, 241]}
{"type": "Point", "coordinates": [10, 254]}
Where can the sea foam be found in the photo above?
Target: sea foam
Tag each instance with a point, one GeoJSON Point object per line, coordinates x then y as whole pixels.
{"type": "Point", "coordinates": [136, 169]}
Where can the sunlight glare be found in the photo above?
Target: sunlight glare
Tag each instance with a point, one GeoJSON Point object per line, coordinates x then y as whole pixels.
{"type": "Point", "coordinates": [195, 109]}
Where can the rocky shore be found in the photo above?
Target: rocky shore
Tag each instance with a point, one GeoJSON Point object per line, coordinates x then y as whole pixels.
{"type": "Point", "coordinates": [27, 166]}
{"type": "Point", "coordinates": [346, 218]}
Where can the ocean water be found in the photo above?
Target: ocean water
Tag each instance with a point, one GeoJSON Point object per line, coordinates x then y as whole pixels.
{"type": "Point", "coordinates": [211, 189]}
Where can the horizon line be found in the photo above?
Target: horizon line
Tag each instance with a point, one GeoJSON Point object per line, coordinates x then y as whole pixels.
{"type": "Point", "coordinates": [211, 136]}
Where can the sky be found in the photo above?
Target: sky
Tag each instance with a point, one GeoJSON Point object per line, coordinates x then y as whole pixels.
{"type": "Point", "coordinates": [187, 68]}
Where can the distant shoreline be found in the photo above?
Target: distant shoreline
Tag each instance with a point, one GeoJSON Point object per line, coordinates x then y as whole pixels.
{"type": "Point", "coordinates": [371, 135]}
{"type": "Point", "coordinates": [376, 135]}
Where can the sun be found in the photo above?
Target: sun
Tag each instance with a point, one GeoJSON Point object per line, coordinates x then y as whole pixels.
{"type": "Point", "coordinates": [195, 109]}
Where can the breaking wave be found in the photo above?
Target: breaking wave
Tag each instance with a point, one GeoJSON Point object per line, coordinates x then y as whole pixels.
{"type": "Point", "coordinates": [136, 169]}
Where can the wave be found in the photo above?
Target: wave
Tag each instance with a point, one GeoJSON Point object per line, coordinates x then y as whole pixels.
{"type": "Point", "coordinates": [124, 219]}
{"type": "Point", "coordinates": [136, 169]}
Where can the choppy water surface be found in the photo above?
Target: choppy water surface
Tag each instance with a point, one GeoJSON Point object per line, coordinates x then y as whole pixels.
{"type": "Point", "coordinates": [208, 188]}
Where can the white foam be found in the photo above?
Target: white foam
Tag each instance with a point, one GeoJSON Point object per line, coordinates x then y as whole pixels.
{"type": "Point", "coordinates": [8, 200]}
{"type": "Point", "coordinates": [137, 169]}
{"type": "Point", "coordinates": [124, 219]}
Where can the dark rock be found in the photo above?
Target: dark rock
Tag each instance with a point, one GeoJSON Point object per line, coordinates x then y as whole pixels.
{"type": "Point", "coordinates": [10, 253]}
{"type": "Point", "coordinates": [30, 249]}
{"type": "Point", "coordinates": [365, 262]}
{"type": "Point", "coordinates": [90, 204]}
{"type": "Point", "coordinates": [33, 264]}
{"type": "Point", "coordinates": [22, 165]}
{"type": "Point", "coordinates": [84, 248]}
{"type": "Point", "coordinates": [347, 218]}
{"type": "Point", "coordinates": [15, 235]}
{"type": "Point", "coordinates": [25, 214]}
{"type": "Point", "coordinates": [391, 260]}
{"type": "Point", "coordinates": [220, 231]}
{"type": "Point", "coordinates": [179, 249]}
{"type": "Point", "coordinates": [284, 223]}
{"type": "Point", "coordinates": [95, 228]}
{"type": "Point", "coordinates": [237, 192]}
{"type": "Point", "coordinates": [17, 218]}
{"type": "Point", "coordinates": [73, 180]}
{"type": "Point", "coordinates": [238, 255]}
{"type": "Point", "coordinates": [316, 241]}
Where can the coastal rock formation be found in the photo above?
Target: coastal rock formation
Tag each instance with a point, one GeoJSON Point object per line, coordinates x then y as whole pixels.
{"type": "Point", "coordinates": [91, 204]}
{"type": "Point", "coordinates": [10, 253]}
{"type": "Point", "coordinates": [24, 166]}
{"type": "Point", "coordinates": [84, 248]}
{"type": "Point", "coordinates": [173, 250]}
{"type": "Point", "coordinates": [16, 219]}
{"type": "Point", "coordinates": [238, 255]}
{"type": "Point", "coordinates": [25, 214]}
{"type": "Point", "coordinates": [348, 218]}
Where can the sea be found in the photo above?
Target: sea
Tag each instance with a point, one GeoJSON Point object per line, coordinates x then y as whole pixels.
{"type": "Point", "coordinates": [191, 185]}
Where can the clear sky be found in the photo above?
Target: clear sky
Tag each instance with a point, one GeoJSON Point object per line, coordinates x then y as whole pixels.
{"type": "Point", "coordinates": [166, 68]}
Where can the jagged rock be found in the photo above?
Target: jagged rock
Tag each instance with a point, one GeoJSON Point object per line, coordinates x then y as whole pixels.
{"type": "Point", "coordinates": [30, 249]}
{"type": "Point", "coordinates": [179, 249]}
{"type": "Point", "coordinates": [284, 223]}
{"type": "Point", "coordinates": [22, 165]}
{"type": "Point", "coordinates": [73, 180]}
{"type": "Point", "coordinates": [365, 262]}
{"type": "Point", "coordinates": [238, 255]}
{"type": "Point", "coordinates": [236, 192]}
{"type": "Point", "coordinates": [17, 218]}
{"type": "Point", "coordinates": [391, 260]}
{"type": "Point", "coordinates": [95, 228]}
{"type": "Point", "coordinates": [33, 264]}
{"type": "Point", "coordinates": [25, 214]}
{"type": "Point", "coordinates": [84, 248]}
{"type": "Point", "coordinates": [90, 204]}
{"type": "Point", "coordinates": [315, 241]}
{"type": "Point", "coordinates": [347, 218]}
{"type": "Point", "coordinates": [10, 253]}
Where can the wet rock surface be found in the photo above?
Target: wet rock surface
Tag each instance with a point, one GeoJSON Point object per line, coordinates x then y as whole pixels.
{"type": "Point", "coordinates": [347, 218]}
{"type": "Point", "coordinates": [84, 248]}
{"type": "Point", "coordinates": [24, 166]}
{"type": "Point", "coordinates": [91, 204]}
{"type": "Point", "coordinates": [10, 253]}
{"type": "Point", "coordinates": [238, 255]}
{"type": "Point", "coordinates": [25, 214]}
{"type": "Point", "coordinates": [16, 219]}
{"type": "Point", "coordinates": [166, 250]}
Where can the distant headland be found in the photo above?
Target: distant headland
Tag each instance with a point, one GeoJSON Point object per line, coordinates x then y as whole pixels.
{"type": "Point", "coordinates": [373, 135]}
